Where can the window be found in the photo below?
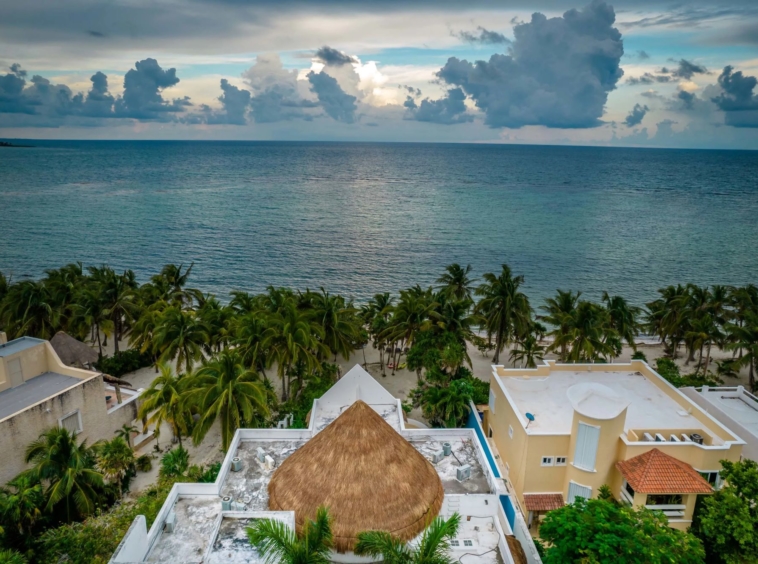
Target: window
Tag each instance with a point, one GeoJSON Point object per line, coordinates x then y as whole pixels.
{"type": "Point", "coordinates": [585, 452]}
{"type": "Point", "coordinates": [547, 461]}
{"type": "Point", "coordinates": [489, 433]}
{"type": "Point", "coordinates": [455, 542]}
{"type": "Point", "coordinates": [664, 500]}
{"type": "Point", "coordinates": [72, 422]}
{"type": "Point", "coordinates": [510, 431]}
{"type": "Point", "coordinates": [712, 478]}
{"type": "Point", "coordinates": [492, 402]}
{"type": "Point", "coordinates": [467, 542]}
{"type": "Point", "coordinates": [575, 490]}
{"type": "Point", "coordinates": [629, 489]}
{"type": "Point", "coordinates": [560, 461]}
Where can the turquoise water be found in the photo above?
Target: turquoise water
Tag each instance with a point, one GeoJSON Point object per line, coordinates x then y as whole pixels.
{"type": "Point", "coordinates": [364, 218]}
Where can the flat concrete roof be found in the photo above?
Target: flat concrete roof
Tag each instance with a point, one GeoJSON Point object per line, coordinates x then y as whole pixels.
{"type": "Point", "coordinates": [546, 398]}
{"type": "Point", "coordinates": [32, 391]}
{"type": "Point", "coordinates": [18, 345]}
{"type": "Point", "coordinates": [740, 406]}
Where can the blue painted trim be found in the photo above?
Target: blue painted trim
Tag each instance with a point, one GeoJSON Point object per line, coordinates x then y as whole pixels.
{"type": "Point", "coordinates": [473, 423]}
{"type": "Point", "coordinates": [510, 511]}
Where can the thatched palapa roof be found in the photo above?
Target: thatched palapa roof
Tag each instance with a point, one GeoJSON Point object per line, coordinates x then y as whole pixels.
{"type": "Point", "coordinates": [71, 351]}
{"type": "Point", "coordinates": [368, 476]}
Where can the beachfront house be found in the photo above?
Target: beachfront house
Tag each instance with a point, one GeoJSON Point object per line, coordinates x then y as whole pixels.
{"type": "Point", "coordinates": [358, 458]}
{"type": "Point", "coordinates": [39, 391]}
{"type": "Point", "coordinates": [561, 431]}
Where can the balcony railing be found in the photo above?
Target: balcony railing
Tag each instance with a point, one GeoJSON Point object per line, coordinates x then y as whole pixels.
{"type": "Point", "coordinates": [669, 510]}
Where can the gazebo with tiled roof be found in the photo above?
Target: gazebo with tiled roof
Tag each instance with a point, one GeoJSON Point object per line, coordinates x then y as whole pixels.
{"type": "Point", "coordinates": [656, 472]}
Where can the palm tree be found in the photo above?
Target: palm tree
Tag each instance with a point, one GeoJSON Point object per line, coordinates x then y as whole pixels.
{"type": "Point", "coordinates": [63, 285]}
{"type": "Point", "coordinates": [180, 335]}
{"type": "Point", "coordinates": [293, 339]}
{"type": "Point", "coordinates": [623, 318]}
{"type": "Point", "coordinates": [589, 335]}
{"type": "Point", "coordinates": [431, 549]}
{"type": "Point", "coordinates": [174, 463]}
{"type": "Point", "coordinates": [216, 319]}
{"type": "Point", "coordinates": [409, 318]}
{"type": "Point", "coordinates": [87, 312]}
{"type": "Point", "coordinates": [67, 469]}
{"type": "Point", "coordinates": [448, 405]}
{"type": "Point", "coordinates": [118, 293]}
{"type": "Point", "coordinates": [455, 282]}
{"type": "Point", "coordinates": [248, 330]}
{"type": "Point", "coordinates": [560, 310]}
{"type": "Point", "coordinates": [745, 338]}
{"type": "Point", "coordinates": [28, 310]}
{"type": "Point", "coordinates": [9, 556]}
{"type": "Point", "coordinates": [339, 322]}
{"type": "Point", "coordinates": [504, 307]}
{"type": "Point", "coordinates": [21, 503]}
{"type": "Point", "coordinates": [528, 352]}
{"type": "Point", "coordinates": [666, 317]}
{"type": "Point", "coordinates": [279, 544]}
{"type": "Point", "coordinates": [114, 459]}
{"type": "Point", "coordinates": [125, 432]}
{"type": "Point", "coordinates": [163, 401]}
{"type": "Point", "coordinates": [225, 388]}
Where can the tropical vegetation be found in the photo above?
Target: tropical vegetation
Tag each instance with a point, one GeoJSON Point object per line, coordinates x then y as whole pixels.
{"type": "Point", "coordinates": [279, 544]}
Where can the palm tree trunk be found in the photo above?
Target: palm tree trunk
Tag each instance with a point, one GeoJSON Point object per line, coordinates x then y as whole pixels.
{"type": "Point", "coordinates": [99, 344]}
{"type": "Point", "coordinates": [116, 334]}
{"type": "Point", "coordinates": [707, 360]}
{"type": "Point", "coordinates": [498, 346]}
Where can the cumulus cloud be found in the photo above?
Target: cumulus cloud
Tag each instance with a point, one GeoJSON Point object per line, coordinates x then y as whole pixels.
{"type": "Point", "coordinates": [649, 78]}
{"type": "Point", "coordinates": [685, 70]}
{"type": "Point", "coordinates": [11, 92]}
{"type": "Point", "coordinates": [483, 36]}
{"type": "Point", "coordinates": [642, 55]}
{"type": "Point", "coordinates": [636, 115]}
{"type": "Point", "coordinates": [236, 103]}
{"type": "Point", "coordinates": [448, 110]}
{"type": "Point", "coordinates": [558, 73]}
{"type": "Point", "coordinates": [336, 102]}
{"type": "Point", "coordinates": [142, 97]}
{"type": "Point", "coordinates": [330, 56]}
{"type": "Point", "coordinates": [737, 100]}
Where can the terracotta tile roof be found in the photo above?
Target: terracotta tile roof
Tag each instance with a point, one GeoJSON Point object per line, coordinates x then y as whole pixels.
{"type": "Point", "coordinates": [655, 472]}
{"type": "Point", "coordinates": [543, 502]}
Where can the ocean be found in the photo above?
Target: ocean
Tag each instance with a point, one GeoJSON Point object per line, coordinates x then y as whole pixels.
{"type": "Point", "coordinates": [364, 218]}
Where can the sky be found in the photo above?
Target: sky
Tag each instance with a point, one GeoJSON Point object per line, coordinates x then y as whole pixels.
{"type": "Point", "coordinates": [625, 72]}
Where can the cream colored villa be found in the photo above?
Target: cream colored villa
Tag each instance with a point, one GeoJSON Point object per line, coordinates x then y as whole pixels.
{"type": "Point", "coordinates": [564, 430]}
{"type": "Point", "coordinates": [38, 391]}
{"type": "Point", "coordinates": [358, 458]}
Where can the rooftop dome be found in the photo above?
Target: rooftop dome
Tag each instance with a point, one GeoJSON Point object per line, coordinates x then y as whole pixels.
{"type": "Point", "coordinates": [368, 476]}
{"type": "Point", "coordinates": [596, 400]}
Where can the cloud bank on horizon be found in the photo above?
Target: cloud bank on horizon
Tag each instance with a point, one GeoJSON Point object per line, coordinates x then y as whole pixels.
{"type": "Point", "coordinates": [630, 74]}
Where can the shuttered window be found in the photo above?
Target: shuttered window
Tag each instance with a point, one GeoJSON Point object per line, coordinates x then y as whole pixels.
{"type": "Point", "coordinates": [71, 423]}
{"type": "Point", "coordinates": [586, 446]}
{"type": "Point", "coordinates": [575, 490]}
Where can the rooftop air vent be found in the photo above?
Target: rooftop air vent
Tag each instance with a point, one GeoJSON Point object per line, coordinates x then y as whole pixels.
{"type": "Point", "coordinates": [170, 523]}
{"type": "Point", "coordinates": [261, 454]}
{"type": "Point", "coordinates": [226, 503]}
{"type": "Point", "coordinates": [697, 438]}
{"type": "Point", "coordinates": [437, 456]}
{"type": "Point", "coordinates": [236, 464]}
{"type": "Point", "coordinates": [447, 449]}
{"type": "Point", "coordinates": [463, 473]}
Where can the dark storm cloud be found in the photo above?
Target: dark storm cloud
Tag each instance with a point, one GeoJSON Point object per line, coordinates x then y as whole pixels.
{"type": "Point", "coordinates": [447, 111]}
{"type": "Point", "coordinates": [642, 55]}
{"type": "Point", "coordinates": [648, 78]}
{"type": "Point", "coordinates": [332, 57]}
{"type": "Point", "coordinates": [687, 98]}
{"type": "Point", "coordinates": [279, 103]}
{"type": "Point", "coordinates": [17, 70]}
{"type": "Point", "coordinates": [11, 92]}
{"type": "Point", "coordinates": [559, 72]}
{"type": "Point", "coordinates": [99, 102]}
{"type": "Point", "coordinates": [737, 101]}
{"type": "Point", "coordinates": [687, 70]}
{"type": "Point", "coordinates": [336, 103]}
{"type": "Point", "coordinates": [483, 36]}
{"type": "Point", "coordinates": [93, 33]}
{"type": "Point", "coordinates": [142, 97]}
{"type": "Point", "coordinates": [636, 115]}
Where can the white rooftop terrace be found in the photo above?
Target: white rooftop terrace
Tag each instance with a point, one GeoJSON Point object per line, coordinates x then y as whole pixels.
{"type": "Point", "coordinates": [204, 532]}
{"type": "Point", "coordinates": [552, 392]}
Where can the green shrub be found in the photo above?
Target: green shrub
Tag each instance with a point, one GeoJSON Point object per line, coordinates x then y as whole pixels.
{"type": "Point", "coordinates": [670, 372]}
{"type": "Point", "coordinates": [11, 557]}
{"type": "Point", "coordinates": [123, 362]}
{"type": "Point", "coordinates": [639, 355]}
{"type": "Point", "coordinates": [144, 463]}
{"type": "Point", "coordinates": [174, 463]}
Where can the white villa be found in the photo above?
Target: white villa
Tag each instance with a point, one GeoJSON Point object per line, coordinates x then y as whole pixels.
{"type": "Point", "coordinates": [357, 457]}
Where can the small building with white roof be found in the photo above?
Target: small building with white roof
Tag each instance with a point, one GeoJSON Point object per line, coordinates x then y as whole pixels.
{"type": "Point", "coordinates": [564, 430]}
